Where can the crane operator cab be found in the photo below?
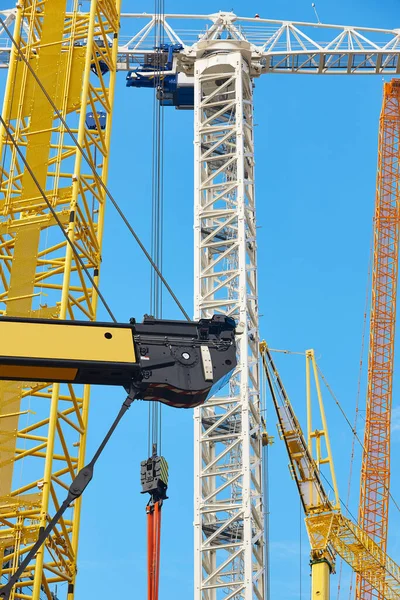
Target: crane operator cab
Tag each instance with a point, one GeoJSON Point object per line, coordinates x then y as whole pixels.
{"type": "Point", "coordinates": [179, 363]}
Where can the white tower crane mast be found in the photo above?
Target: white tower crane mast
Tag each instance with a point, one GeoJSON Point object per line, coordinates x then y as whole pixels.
{"type": "Point", "coordinates": [218, 63]}
{"type": "Point", "coordinates": [229, 538]}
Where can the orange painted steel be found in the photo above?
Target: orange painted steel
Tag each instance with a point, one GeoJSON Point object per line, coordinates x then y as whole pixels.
{"type": "Point", "coordinates": [375, 471]}
{"type": "Point", "coordinates": [153, 549]}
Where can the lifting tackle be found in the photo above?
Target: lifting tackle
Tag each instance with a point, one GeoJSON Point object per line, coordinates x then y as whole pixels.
{"type": "Point", "coordinates": [154, 480]}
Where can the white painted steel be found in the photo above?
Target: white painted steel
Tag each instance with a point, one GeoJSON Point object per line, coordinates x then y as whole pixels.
{"type": "Point", "coordinates": [277, 46]}
{"type": "Point", "coordinates": [229, 537]}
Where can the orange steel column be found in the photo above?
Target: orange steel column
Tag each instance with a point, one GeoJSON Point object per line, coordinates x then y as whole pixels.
{"type": "Point", "coordinates": [375, 472]}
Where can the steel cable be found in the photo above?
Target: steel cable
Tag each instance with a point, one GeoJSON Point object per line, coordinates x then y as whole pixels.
{"type": "Point", "coordinates": [354, 432]}
{"type": "Point", "coordinates": [57, 219]}
{"type": "Point", "coordinates": [156, 296]}
{"type": "Point", "coordinates": [357, 404]}
{"type": "Point", "coordinates": [95, 174]}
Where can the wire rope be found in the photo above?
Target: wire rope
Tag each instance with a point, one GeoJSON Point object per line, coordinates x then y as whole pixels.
{"type": "Point", "coordinates": [57, 219]}
{"type": "Point", "coordinates": [354, 432]}
{"type": "Point", "coordinates": [98, 179]}
{"type": "Point", "coordinates": [360, 371]}
{"type": "Point", "coordinates": [346, 418]}
{"type": "Point", "coordinates": [157, 204]}
{"type": "Point", "coordinates": [343, 504]}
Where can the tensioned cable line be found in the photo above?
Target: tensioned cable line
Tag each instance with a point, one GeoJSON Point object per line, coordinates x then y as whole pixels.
{"type": "Point", "coordinates": [93, 169]}
{"type": "Point", "coordinates": [354, 432]}
{"type": "Point", "coordinates": [384, 567]}
{"type": "Point", "coordinates": [360, 371]}
{"type": "Point", "coordinates": [156, 296]}
{"type": "Point", "coordinates": [43, 194]}
{"type": "Point", "coordinates": [56, 217]}
{"type": "Point", "coordinates": [286, 410]}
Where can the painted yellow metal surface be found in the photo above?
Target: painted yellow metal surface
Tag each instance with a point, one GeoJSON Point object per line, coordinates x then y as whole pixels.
{"type": "Point", "coordinates": [74, 56]}
{"type": "Point", "coordinates": [329, 531]}
{"type": "Point", "coordinates": [24, 373]}
{"type": "Point", "coordinates": [358, 549]}
{"type": "Point", "coordinates": [319, 434]}
{"type": "Point", "coordinates": [43, 340]}
{"type": "Point", "coordinates": [320, 572]}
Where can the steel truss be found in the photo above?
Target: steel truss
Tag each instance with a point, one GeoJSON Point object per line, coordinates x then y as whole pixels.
{"type": "Point", "coordinates": [375, 469]}
{"type": "Point", "coordinates": [229, 537]}
{"type": "Point", "coordinates": [277, 46]}
{"type": "Point", "coordinates": [222, 53]}
{"type": "Point", "coordinates": [43, 427]}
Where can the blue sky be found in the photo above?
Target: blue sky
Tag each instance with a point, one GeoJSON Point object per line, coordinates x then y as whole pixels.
{"type": "Point", "coordinates": [316, 153]}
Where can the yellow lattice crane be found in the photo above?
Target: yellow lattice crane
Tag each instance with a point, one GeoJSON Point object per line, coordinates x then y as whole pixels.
{"type": "Point", "coordinates": [54, 148]}
{"type": "Point", "coordinates": [330, 532]}
{"type": "Point", "coordinates": [74, 56]}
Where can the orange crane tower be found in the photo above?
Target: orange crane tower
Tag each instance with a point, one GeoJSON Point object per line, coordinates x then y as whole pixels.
{"type": "Point", "coordinates": [375, 471]}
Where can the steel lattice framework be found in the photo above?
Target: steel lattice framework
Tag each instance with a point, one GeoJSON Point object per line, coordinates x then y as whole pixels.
{"type": "Point", "coordinates": [277, 46]}
{"type": "Point", "coordinates": [44, 426]}
{"type": "Point", "coordinates": [229, 510]}
{"type": "Point", "coordinates": [375, 471]}
{"type": "Point", "coordinates": [222, 53]}
{"type": "Point", "coordinates": [353, 544]}
{"type": "Point", "coordinates": [330, 532]}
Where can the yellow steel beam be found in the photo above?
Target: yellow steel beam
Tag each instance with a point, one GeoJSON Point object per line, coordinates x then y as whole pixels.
{"type": "Point", "coordinates": [320, 580]}
{"type": "Point", "coordinates": [74, 56]}
{"type": "Point", "coordinates": [330, 533]}
{"type": "Point", "coordinates": [358, 549]}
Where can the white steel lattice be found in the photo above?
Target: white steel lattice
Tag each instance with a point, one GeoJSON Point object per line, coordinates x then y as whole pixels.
{"type": "Point", "coordinates": [276, 46]}
{"type": "Point", "coordinates": [229, 537]}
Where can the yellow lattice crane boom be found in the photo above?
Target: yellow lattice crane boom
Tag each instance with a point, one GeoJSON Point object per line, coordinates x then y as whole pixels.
{"type": "Point", "coordinates": [375, 470]}
{"type": "Point", "coordinates": [329, 531]}
{"type": "Point", "coordinates": [74, 57]}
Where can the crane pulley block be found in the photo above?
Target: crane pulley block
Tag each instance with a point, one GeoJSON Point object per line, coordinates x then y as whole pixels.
{"type": "Point", "coordinates": [179, 363]}
{"type": "Point", "coordinates": [154, 477]}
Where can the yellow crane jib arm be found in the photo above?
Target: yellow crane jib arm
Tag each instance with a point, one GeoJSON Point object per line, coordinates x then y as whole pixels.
{"type": "Point", "coordinates": [329, 531]}
{"type": "Point", "coordinates": [303, 467]}
{"type": "Point", "coordinates": [358, 549]}
{"type": "Point", "coordinates": [179, 363]}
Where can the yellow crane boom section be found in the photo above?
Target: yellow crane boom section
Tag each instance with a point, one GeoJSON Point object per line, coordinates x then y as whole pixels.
{"type": "Point", "coordinates": [329, 531]}
{"type": "Point", "coordinates": [62, 73]}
